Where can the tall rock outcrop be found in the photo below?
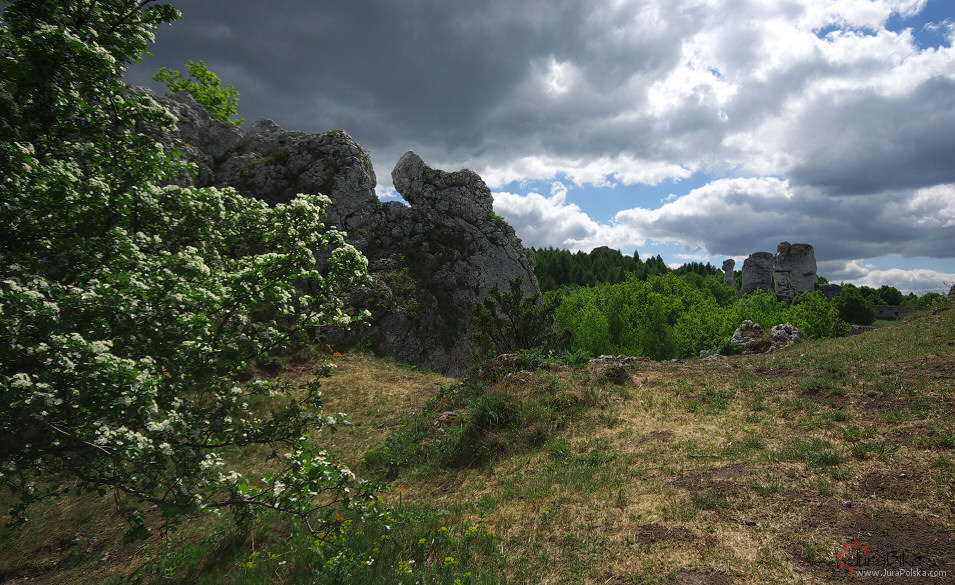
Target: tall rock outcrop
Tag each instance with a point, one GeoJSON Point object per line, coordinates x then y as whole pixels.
{"type": "Point", "coordinates": [429, 260]}
{"type": "Point", "coordinates": [757, 273]}
{"type": "Point", "coordinates": [198, 138]}
{"type": "Point", "coordinates": [729, 277]}
{"type": "Point", "coordinates": [794, 270]}
{"type": "Point", "coordinates": [432, 260]}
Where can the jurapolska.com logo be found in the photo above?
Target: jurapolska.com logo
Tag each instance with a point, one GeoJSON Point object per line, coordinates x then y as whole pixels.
{"type": "Point", "coordinates": [855, 559]}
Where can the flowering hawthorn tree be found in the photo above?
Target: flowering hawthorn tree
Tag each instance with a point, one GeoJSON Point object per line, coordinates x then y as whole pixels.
{"type": "Point", "coordinates": [129, 309]}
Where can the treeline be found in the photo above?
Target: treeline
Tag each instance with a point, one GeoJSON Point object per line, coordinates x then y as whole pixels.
{"type": "Point", "coordinates": [558, 268]}
{"type": "Point", "coordinates": [607, 303]}
{"type": "Point", "coordinates": [669, 316]}
{"type": "Point", "coordinates": [889, 295]}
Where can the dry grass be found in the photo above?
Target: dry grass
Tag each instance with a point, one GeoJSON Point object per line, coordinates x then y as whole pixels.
{"type": "Point", "coordinates": [379, 395]}
{"type": "Point", "coordinates": [745, 470]}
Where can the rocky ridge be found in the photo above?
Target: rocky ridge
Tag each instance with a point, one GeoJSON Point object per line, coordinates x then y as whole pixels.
{"type": "Point", "coordinates": [429, 260]}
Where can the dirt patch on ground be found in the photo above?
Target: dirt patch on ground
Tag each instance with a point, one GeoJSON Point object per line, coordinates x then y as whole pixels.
{"type": "Point", "coordinates": [727, 475]}
{"type": "Point", "coordinates": [875, 539]}
{"type": "Point", "coordinates": [650, 533]}
{"type": "Point", "coordinates": [891, 485]}
{"type": "Point", "coordinates": [697, 577]}
{"type": "Point", "coordinates": [878, 402]}
{"type": "Point", "coordinates": [932, 367]}
{"type": "Point", "coordinates": [689, 577]}
{"type": "Point", "coordinates": [776, 372]}
{"type": "Point", "coordinates": [654, 437]}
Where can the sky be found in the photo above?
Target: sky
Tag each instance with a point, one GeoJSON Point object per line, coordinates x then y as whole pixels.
{"type": "Point", "coordinates": [698, 130]}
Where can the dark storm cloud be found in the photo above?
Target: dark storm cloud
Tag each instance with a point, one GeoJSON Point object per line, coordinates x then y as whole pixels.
{"type": "Point", "coordinates": [872, 143]}
{"type": "Point", "coordinates": [416, 72]}
{"type": "Point", "coordinates": [816, 122]}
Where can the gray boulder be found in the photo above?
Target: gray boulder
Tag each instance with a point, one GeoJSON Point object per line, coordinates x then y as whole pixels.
{"type": "Point", "coordinates": [757, 273]}
{"type": "Point", "coordinates": [794, 270]}
{"type": "Point", "coordinates": [754, 339]}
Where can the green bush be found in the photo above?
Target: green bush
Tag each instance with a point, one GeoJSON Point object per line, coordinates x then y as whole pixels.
{"type": "Point", "coordinates": [665, 317]}
{"type": "Point", "coordinates": [510, 321]}
{"type": "Point", "coordinates": [816, 317]}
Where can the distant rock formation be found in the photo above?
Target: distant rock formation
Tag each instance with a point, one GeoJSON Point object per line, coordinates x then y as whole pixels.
{"type": "Point", "coordinates": [757, 273]}
{"type": "Point", "coordinates": [728, 276]}
{"type": "Point", "coordinates": [429, 260]}
{"type": "Point", "coordinates": [794, 270]}
{"type": "Point", "coordinates": [791, 272]}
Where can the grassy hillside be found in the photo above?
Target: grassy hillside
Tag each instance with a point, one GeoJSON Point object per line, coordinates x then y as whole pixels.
{"type": "Point", "coordinates": [744, 470]}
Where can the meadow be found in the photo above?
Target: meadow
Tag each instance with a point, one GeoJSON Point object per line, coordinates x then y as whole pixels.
{"type": "Point", "coordinates": [747, 469]}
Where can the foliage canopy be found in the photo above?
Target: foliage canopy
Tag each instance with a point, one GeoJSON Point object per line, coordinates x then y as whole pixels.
{"type": "Point", "coordinates": [204, 85]}
{"type": "Point", "coordinates": [853, 306]}
{"type": "Point", "coordinates": [129, 309]}
{"type": "Point", "coordinates": [668, 316]}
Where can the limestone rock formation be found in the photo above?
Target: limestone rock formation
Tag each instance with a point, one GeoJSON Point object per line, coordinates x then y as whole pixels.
{"type": "Point", "coordinates": [784, 335]}
{"type": "Point", "coordinates": [429, 260]}
{"type": "Point", "coordinates": [791, 272]}
{"type": "Point", "coordinates": [757, 273]}
{"type": "Point", "coordinates": [438, 255]}
{"type": "Point", "coordinates": [794, 270]}
{"type": "Point", "coordinates": [747, 334]}
{"type": "Point", "coordinates": [830, 290]}
{"type": "Point", "coordinates": [753, 339]}
{"type": "Point", "coordinates": [728, 277]}
{"type": "Point", "coordinates": [275, 165]}
{"type": "Point", "coordinates": [199, 138]}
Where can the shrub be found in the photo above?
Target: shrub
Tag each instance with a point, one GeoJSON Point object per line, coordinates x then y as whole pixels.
{"type": "Point", "coordinates": [508, 321]}
{"type": "Point", "coordinates": [816, 317]}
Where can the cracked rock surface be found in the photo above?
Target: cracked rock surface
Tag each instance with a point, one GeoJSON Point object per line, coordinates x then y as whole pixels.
{"type": "Point", "coordinates": [430, 259]}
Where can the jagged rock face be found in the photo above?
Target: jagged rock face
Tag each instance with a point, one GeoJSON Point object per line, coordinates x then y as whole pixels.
{"type": "Point", "coordinates": [728, 277]}
{"type": "Point", "coordinates": [269, 163]}
{"type": "Point", "coordinates": [441, 253]}
{"type": "Point", "coordinates": [429, 261]}
{"type": "Point", "coordinates": [794, 270]}
{"type": "Point", "coordinates": [757, 273]}
{"type": "Point", "coordinates": [274, 165]}
{"type": "Point", "coordinates": [201, 139]}
{"type": "Point", "coordinates": [462, 193]}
